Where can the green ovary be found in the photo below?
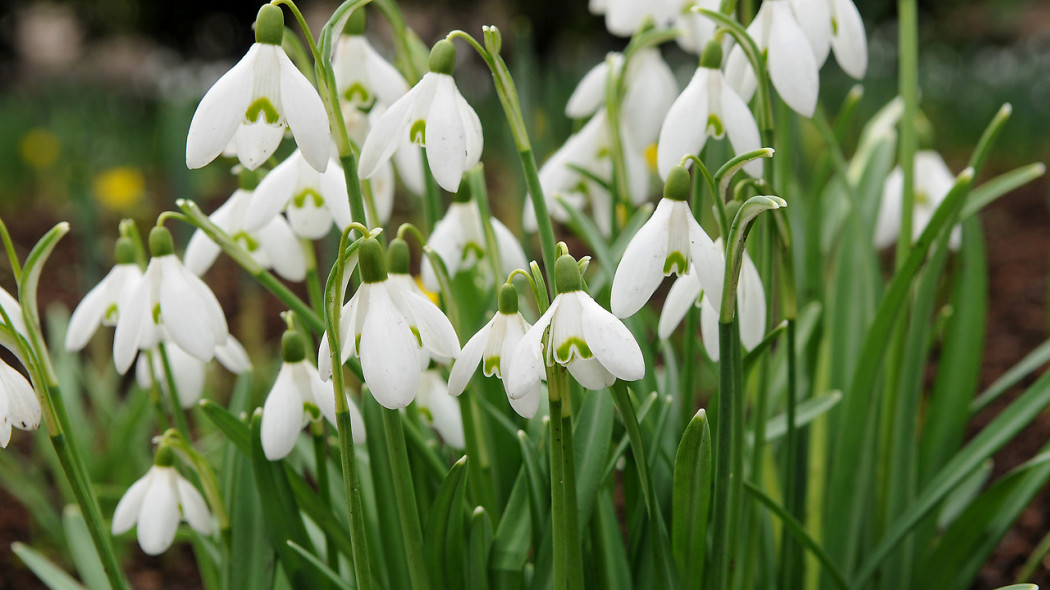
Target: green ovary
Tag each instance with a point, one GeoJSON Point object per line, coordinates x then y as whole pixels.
{"type": "Point", "coordinates": [564, 352]}
{"type": "Point", "coordinates": [262, 105]}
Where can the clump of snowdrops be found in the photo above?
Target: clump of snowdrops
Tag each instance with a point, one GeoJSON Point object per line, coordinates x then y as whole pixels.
{"type": "Point", "coordinates": [488, 409]}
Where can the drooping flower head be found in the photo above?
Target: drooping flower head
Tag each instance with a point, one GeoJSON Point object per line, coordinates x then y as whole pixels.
{"type": "Point", "coordinates": [188, 372]}
{"type": "Point", "coordinates": [434, 115]}
{"type": "Point", "coordinates": [250, 106]}
{"type": "Point", "coordinates": [492, 348]}
{"type": "Point", "coordinates": [19, 406]}
{"type": "Point", "coordinates": [168, 299]}
{"type": "Point", "coordinates": [933, 181]}
{"type": "Point", "coordinates": [707, 107]}
{"type": "Point", "coordinates": [157, 502]}
{"type": "Point", "coordinates": [363, 78]}
{"type": "Point", "coordinates": [670, 242]}
{"type": "Point", "coordinates": [459, 240]}
{"type": "Point", "coordinates": [834, 25]}
{"type": "Point", "coordinates": [103, 303]}
{"type": "Point", "coordinates": [590, 342]}
{"type": "Point", "coordinates": [440, 410]}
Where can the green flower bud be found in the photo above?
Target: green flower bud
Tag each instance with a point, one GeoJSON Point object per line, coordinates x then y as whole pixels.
{"type": "Point", "coordinates": [567, 274]}
{"type": "Point", "coordinates": [269, 25]}
{"type": "Point", "coordinates": [165, 457]}
{"type": "Point", "coordinates": [508, 299]}
{"type": "Point", "coordinates": [679, 185]}
{"type": "Point", "coordinates": [443, 57]}
{"type": "Point", "coordinates": [398, 256]}
{"type": "Point", "coordinates": [372, 261]}
{"type": "Point", "coordinates": [292, 348]}
{"type": "Point", "coordinates": [355, 25]}
{"type": "Point", "coordinates": [712, 56]}
{"type": "Point", "coordinates": [125, 251]}
{"type": "Point", "coordinates": [160, 242]}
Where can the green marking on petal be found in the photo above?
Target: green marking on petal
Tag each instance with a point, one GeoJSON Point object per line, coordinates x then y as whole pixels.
{"type": "Point", "coordinates": [262, 105]}
{"type": "Point", "coordinates": [834, 26]}
{"type": "Point", "coordinates": [427, 415]}
{"type": "Point", "coordinates": [357, 92]}
{"type": "Point", "coordinates": [417, 134]}
{"type": "Point", "coordinates": [675, 260]}
{"type": "Point", "coordinates": [491, 366]}
{"type": "Point", "coordinates": [922, 198]}
{"type": "Point", "coordinates": [357, 343]}
{"type": "Point", "coordinates": [564, 352]}
{"type": "Point", "coordinates": [246, 241]}
{"type": "Point", "coordinates": [415, 332]}
{"type": "Point", "coordinates": [299, 200]}
{"type": "Point", "coordinates": [312, 410]}
{"type": "Point", "coordinates": [156, 314]}
{"type": "Point", "coordinates": [474, 247]}
{"type": "Point", "coordinates": [603, 152]}
{"type": "Point", "coordinates": [715, 126]}
{"type": "Point", "coordinates": [111, 313]}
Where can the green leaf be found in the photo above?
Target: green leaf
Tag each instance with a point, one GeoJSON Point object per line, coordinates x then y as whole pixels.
{"type": "Point", "coordinates": [320, 566]}
{"type": "Point", "coordinates": [247, 567]}
{"type": "Point", "coordinates": [592, 437]}
{"type": "Point", "coordinates": [444, 532]}
{"type": "Point", "coordinates": [691, 498]}
{"type": "Point", "coordinates": [235, 430]}
{"type": "Point", "coordinates": [609, 551]}
{"type": "Point", "coordinates": [50, 574]}
{"type": "Point", "coordinates": [1035, 359]}
{"type": "Point", "coordinates": [806, 412]}
{"type": "Point", "coordinates": [510, 546]}
{"type": "Point", "coordinates": [480, 549]}
{"type": "Point", "coordinates": [538, 491]}
{"type": "Point", "coordinates": [30, 280]}
{"type": "Point", "coordinates": [987, 193]}
{"type": "Point", "coordinates": [283, 521]}
{"type": "Point", "coordinates": [82, 549]}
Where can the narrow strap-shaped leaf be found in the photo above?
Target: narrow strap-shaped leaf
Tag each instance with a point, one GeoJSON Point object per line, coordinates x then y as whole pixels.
{"type": "Point", "coordinates": [320, 566]}
{"type": "Point", "coordinates": [235, 430]}
{"type": "Point", "coordinates": [444, 532]}
{"type": "Point", "coordinates": [592, 436]}
{"type": "Point", "coordinates": [806, 412]}
{"type": "Point", "coordinates": [1035, 359]}
{"type": "Point", "coordinates": [82, 549]}
{"type": "Point", "coordinates": [510, 546]}
{"type": "Point", "coordinates": [691, 501]}
{"type": "Point", "coordinates": [50, 574]}
{"type": "Point", "coordinates": [538, 493]}
{"type": "Point", "coordinates": [480, 548]}
{"type": "Point", "coordinates": [988, 192]}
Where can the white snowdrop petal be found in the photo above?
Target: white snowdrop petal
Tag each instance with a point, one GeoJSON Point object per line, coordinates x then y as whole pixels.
{"type": "Point", "coordinates": [751, 305]}
{"type": "Point", "coordinates": [435, 330]}
{"type": "Point", "coordinates": [321, 394]}
{"type": "Point", "coordinates": [589, 94]}
{"type": "Point", "coordinates": [201, 253]}
{"type": "Point", "coordinates": [135, 318]}
{"type": "Point", "coordinates": [324, 359]}
{"type": "Point", "coordinates": [527, 367]}
{"type": "Point", "coordinates": [87, 317]}
{"type": "Point", "coordinates": [389, 352]}
{"type": "Point", "coordinates": [283, 249]}
{"type": "Point", "coordinates": [591, 374]}
{"type": "Point", "coordinates": [683, 294]}
{"type": "Point", "coordinates": [306, 115]}
{"type": "Point", "coordinates": [5, 432]}
{"type": "Point", "coordinates": [274, 192]}
{"type": "Point", "coordinates": [512, 257]}
{"type": "Point", "coordinates": [514, 330]}
{"type": "Point", "coordinates": [814, 18]}
{"type": "Point", "coordinates": [468, 359]}
{"type": "Point", "coordinates": [850, 41]}
{"type": "Point", "coordinates": [888, 222]}
{"type": "Point", "coordinates": [256, 142]}
{"type": "Point", "coordinates": [709, 263]}
{"type": "Point", "coordinates": [739, 74]}
{"type": "Point", "coordinates": [792, 66]}
{"type": "Point", "coordinates": [684, 129]}
{"type": "Point", "coordinates": [391, 128]}
{"type": "Point", "coordinates": [159, 516]}
{"type": "Point", "coordinates": [448, 421]}
{"type": "Point", "coordinates": [282, 417]}
{"type": "Point", "coordinates": [220, 112]}
{"type": "Point", "coordinates": [527, 405]}
{"type": "Point", "coordinates": [194, 508]}
{"type": "Point", "coordinates": [446, 140]}
{"type": "Point", "coordinates": [709, 328]}
{"type": "Point", "coordinates": [611, 342]}
{"type": "Point", "coordinates": [471, 130]}
{"type": "Point", "coordinates": [187, 372]}
{"type": "Point", "coordinates": [387, 83]}
{"type": "Point", "coordinates": [641, 268]}
{"type": "Point", "coordinates": [333, 189]}
{"type": "Point", "coordinates": [13, 309]}
{"type": "Point", "coordinates": [651, 91]}
{"type": "Point", "coordinates": [23, 408]}
{"type": "Point", "coordinates": [130, 505]}
{"type": "Point", "coordinates": [186, 306]}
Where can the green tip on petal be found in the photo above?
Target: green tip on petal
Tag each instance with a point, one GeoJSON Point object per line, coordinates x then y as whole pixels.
{"type": "Point", "coordinates": [160, 242]}
{"type": "Point", "coordinates": [248, 179]}
{"type": "Point", "coordinates": [355, 25]}
{"type": "Point", "coordinates": [372, 261]}
{"type": "Point", "coordinates": [269, 25]}
{"type": "Point", "coordinates": [443, 57]}
{"type": "Point", "coordinates": [678, 185]}
{"type": "Point", "coordinates": [125, 251]}
{"type": "Point", "coordinates": [712, 56]}
{"type": "Point", "coordinates": [398, 256]}
{"type": "Point", "coordinates": [567, 274]}
{"type": "Point", "coordinates": [292, 348]}
{"type": "Point", "coordinates": [165, 457]}
{"type": "Point", "coordinates": [508, 299]}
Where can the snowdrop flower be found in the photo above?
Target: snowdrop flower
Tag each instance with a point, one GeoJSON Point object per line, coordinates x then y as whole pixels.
{"type": "Point", "coordinates": [440, 409]}
{"type": "Point", "coordinates": [590, 342]}
{"type": "Point", "coordinates": [695, 29]}
{"type": "Point", "coordinates": [707, 107]}
{"type": "Point", "coordinates": [102, 304]}
{"type": "Point", "coordinates": [362, 77]}
{"type": "Point", "coordinates": [750, 302]}
{"type": "Point", "coordinates": [790, 59]}
{"type": "Point", "coordinates": [459, 240]}
{"type": "Point", "coordinates": [624, 17]}
{"type": "Point", "coordinates": [297, 397]}
{"type": "Point", "coordinates": [588, 150]}
{"type": "Point", "coordinates": [492, 348]}
{"type": "Point", "coordinates": [313, 200]}
{"type": "Point", "coordinates": [272, 245]}
{"type": "Point", "coordinates": [671, 241]}
{"type": "Point", "coordinates": [249, 107]}
{"type": "Point", "coordinates": [834, 24]}
{"type": "Point", "coordinates": [434, 115]}
{"type": "Point", "coordinates": [168, 299]}
{"type": "Point", "coordinates": [19, 406]}
{"type": "Point", "coordinates": [157, 502]}
{"type": "Point", "coordinates": [650, 88]}
{"type": "Point", "coordinates": [187, 371]}
{"type": "Point", "coordinates": [933, 181]}
{"type": "Point", "coordinates": [392, 329]}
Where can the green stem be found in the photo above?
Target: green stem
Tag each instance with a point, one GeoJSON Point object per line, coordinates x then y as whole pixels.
{"type": "Point", "coordinates": [317, 430]}
{"type": "Point", "coordinates": [405, 495]}
{"type": "Point", "coordinates": [568, 574]}
{"type": "Point", "coordinates": [728, 339]}
{"type": "Point", "coordinates": [908, 56]}
{"type": "Point", "coordinates": [177, 411]}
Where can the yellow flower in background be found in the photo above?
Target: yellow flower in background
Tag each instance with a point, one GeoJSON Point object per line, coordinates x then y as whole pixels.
{"type": "Point", "coordinates": [119, 188]}
{"type": "Point", "coordinates": [40, 148]}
